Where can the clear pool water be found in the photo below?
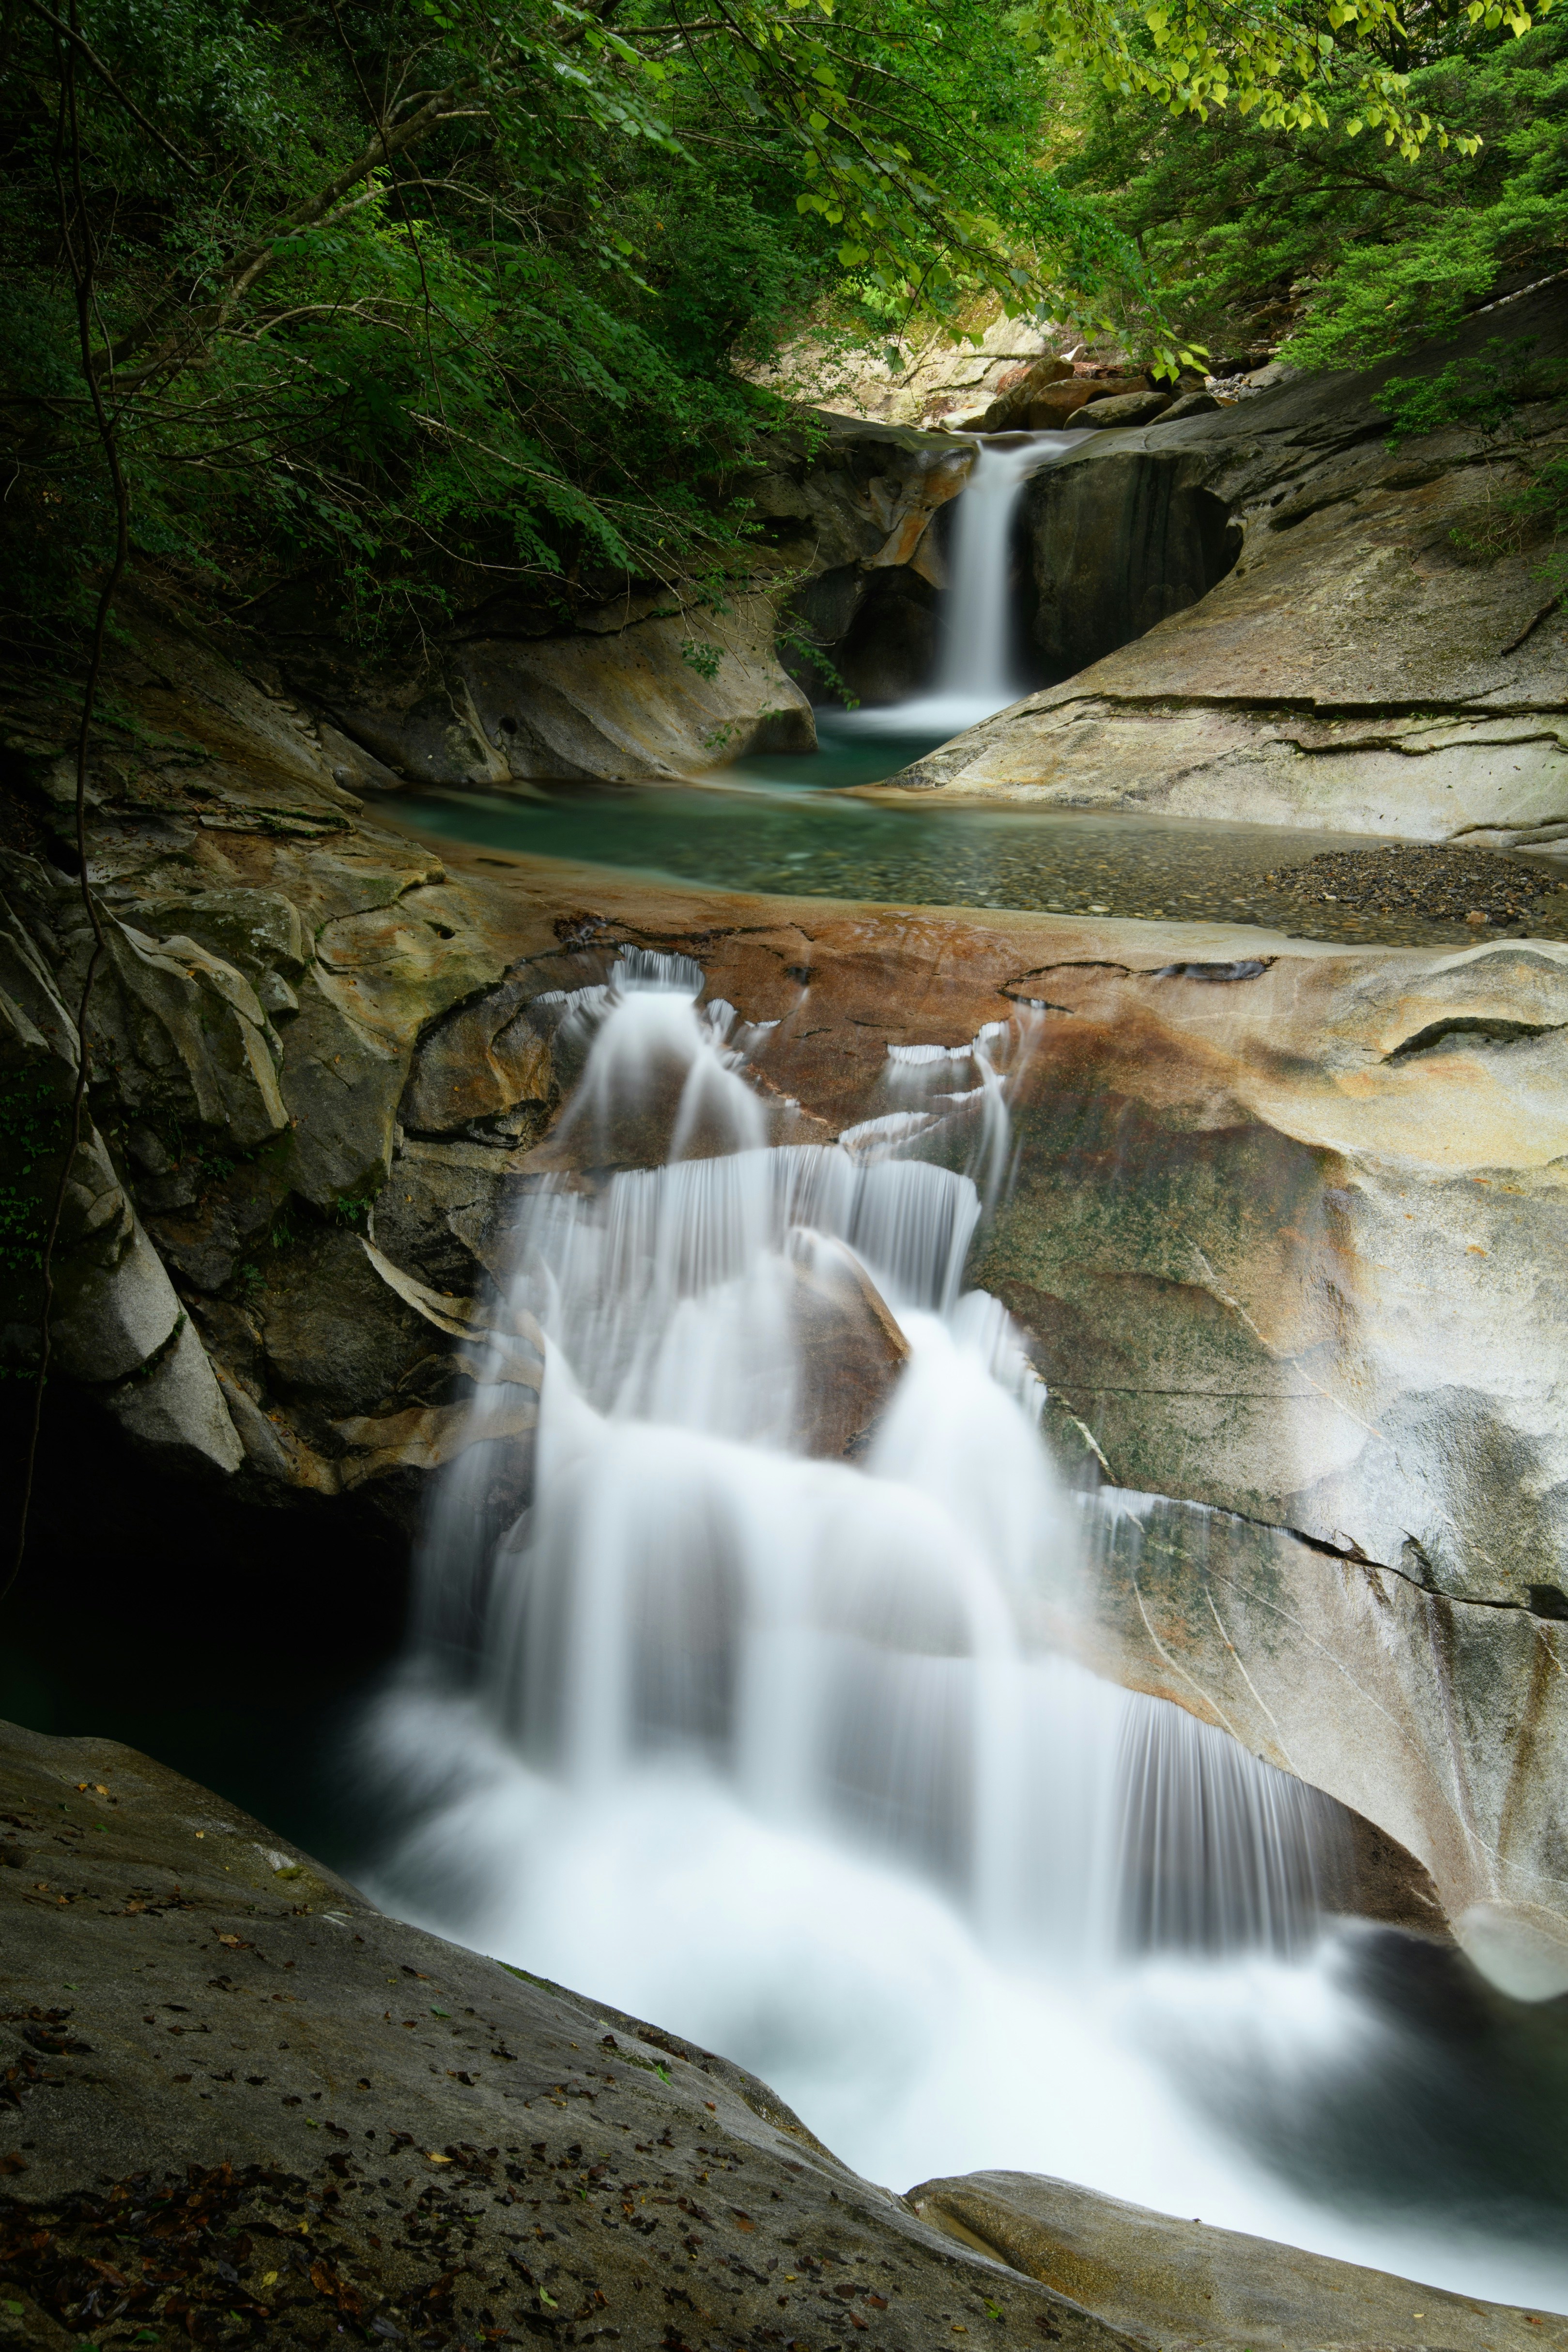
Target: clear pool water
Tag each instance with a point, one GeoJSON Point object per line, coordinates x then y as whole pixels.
{"type": "Point", "coordinates": [788, 824]}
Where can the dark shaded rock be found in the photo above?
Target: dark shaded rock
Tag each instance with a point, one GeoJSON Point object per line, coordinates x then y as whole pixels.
{"type": "Point", "coordinates": [313, 2071]}
{"type": "Point", "coordinates": [856, 514]}
{"type": "Point", "coordinates": [1117, 547]}
{"type": "Point", "coordinates": [1190, 403]}
{"type": "Point", "coordinates": [336, 1337]}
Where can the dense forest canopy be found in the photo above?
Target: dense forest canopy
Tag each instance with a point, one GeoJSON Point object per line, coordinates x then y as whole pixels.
{"type": "Point", "coordinates": [430, 299]}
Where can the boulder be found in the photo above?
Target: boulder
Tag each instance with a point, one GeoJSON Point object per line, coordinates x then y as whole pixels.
{"type": "Point", "coordinates": [1123, 408]}
{"type": "Point", "coordinates": [1050, 410]}
{"type": "Point", "coordinates": [1190, 403]}
{"type": "Point", "coordinates": [1009, 411]}
{"type": "Point", "coordinates": [851, 1349]}
{"type": "Point", "coordinates": [178, 1035]}
{"type": "Point", "coordinates": [1170, 2282]}
{"type": "Point", "coordinates": [479, 1062]}
{"type": "Point", "coordinates": [257, 931]}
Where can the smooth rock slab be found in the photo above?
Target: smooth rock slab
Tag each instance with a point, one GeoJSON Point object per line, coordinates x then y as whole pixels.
{"type": "Point", "coordinates": [422, 2141]}
{"type": "Point", "coordinates": [1175, 2283]}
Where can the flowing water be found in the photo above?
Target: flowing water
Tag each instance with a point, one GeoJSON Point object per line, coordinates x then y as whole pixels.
{"type": "Point", "coordinates": [977, 671]}
{"type": "Point", "coordinates": [781, 1744]}
{"type": "Point", "coordinates": [786, 822]}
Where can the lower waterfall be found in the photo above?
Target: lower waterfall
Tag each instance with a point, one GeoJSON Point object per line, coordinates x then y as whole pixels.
{"type": "Point", "coordinates": [758, 1718]}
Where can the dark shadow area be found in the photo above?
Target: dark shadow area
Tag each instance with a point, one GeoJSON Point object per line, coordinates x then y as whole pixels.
{"type": "Point", "coordinates": [877, 630]}
{"type": "Point", "coordinates": [1454, 2107]}
{"type": "Point", "coordinates": [226, 1639]}
{"type": "Point", "coordinates": [1116, 544]}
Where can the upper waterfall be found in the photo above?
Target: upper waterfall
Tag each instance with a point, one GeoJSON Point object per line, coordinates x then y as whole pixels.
{"type": "Point", "coordinates": [976, 670]}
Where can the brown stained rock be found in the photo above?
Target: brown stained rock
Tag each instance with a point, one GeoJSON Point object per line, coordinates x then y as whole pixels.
{"type": "Point", "coordinates": [1048, 410]}
{"type": "Point", "coordinates": [481, 1061]}
{"type": "Point", "coordinates": [1175, 2282]}
{"type": "Point", "coordinates": [851, 1352]}
{"type": "Point", "coordinates": [1017, 393]}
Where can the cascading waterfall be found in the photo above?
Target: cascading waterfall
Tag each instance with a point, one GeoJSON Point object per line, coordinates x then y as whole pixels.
{"type": "Point", "coordinates": [756, 1720]}
{"type": "Point", "coordinates": [856, 1650]}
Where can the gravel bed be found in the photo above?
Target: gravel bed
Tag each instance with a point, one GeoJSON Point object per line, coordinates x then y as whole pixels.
{"type": "Point", "coordinates": [1446, 884]}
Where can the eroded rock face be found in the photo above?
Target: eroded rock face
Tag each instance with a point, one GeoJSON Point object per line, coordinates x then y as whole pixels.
{"type": "Point", "coordinates": [857, 514]}
{"type": "Point", "coordinates": [1117, 547]}
{"type": "Point", "coordinates": [1282, 1232]}
{"type": "Point", "coordinates": [1356, 669]}
{"type": "Point", "coordinates": [642, 691]}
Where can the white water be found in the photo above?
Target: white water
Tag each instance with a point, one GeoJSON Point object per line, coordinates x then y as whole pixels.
{"type": "Point", "coordinates": [777, 1749]}
{"type": "Point", "coordinates": [975, 672]}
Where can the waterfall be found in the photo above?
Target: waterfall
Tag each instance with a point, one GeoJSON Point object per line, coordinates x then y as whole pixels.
{"type": "Point", "coordinates": [857, 1653]}
{"type": "Point", "coordinates": [976, 671]}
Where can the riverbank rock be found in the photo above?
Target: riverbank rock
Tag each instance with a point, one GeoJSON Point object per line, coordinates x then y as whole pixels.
{"type": "Point", "coordinates": [246, 2064]}
{"type": "Point", "coordinates": [1373, 655]}
{"type": "Point", "coordinates": [1173, 2283]}
{"type": "Point", "coordinates": [219, 2049]}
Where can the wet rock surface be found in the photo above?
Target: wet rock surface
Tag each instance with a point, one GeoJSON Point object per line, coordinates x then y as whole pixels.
{"type": "Point", "coordinates": [244, 2106]}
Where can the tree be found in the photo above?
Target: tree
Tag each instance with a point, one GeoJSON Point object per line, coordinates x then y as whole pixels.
{"type": "Point", "coordinates": [430, 300]}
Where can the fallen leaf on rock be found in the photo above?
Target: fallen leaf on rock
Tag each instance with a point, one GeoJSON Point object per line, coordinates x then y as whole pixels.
{"type": "Point", "coordinates": [14, 2163]}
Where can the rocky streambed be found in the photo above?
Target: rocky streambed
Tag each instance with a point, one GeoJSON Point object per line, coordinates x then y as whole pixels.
{"type": "Point", "coordinates": [1277, 1218]}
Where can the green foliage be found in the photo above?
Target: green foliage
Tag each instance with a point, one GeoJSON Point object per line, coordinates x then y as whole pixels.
{"type": "Point", "coordinates": [1342, 251]}
{"type": "Point", "coordinates": [1482, 391]}
{"type": "Point", "coordinates": [354, 1208]}
{"type": "Point", "coordinates": [702, 657]}
{"type": "Point", "coordinates": [402, 309]}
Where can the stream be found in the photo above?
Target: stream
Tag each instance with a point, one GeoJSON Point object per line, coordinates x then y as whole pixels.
{"type": "Point", "coordinates": [785, 1747]}
{"type": "Point", "coordinates": [791, 1752]}
{"type": "Point", "coordinates": [789, 822]}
